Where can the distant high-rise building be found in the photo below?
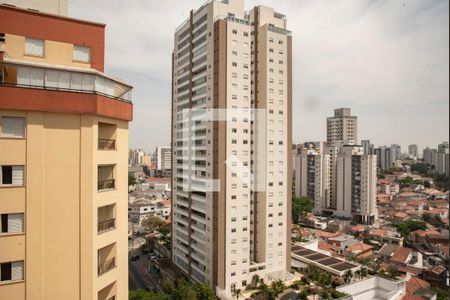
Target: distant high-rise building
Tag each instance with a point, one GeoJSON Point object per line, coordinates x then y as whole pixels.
{"type": "Point", "coordinates": [356, 185]}
{"type": "Point", "coordinates": [413, 150]}
{"type": "Point", "coordinates": [354, 181]}
{"type": "Point", "coordinates": [366, 147]}
{"type": "Point", "coordinates": [235, 63]}
{"type": "Point", "coordinates": [428, 155]}
{"type": "Point", "coordinates": [396, 152]}
{"type": "Point", "coordinates": [342, 128]}
{"type": "Point", "coordinates": [163, 158]}
{"type": "Point", "coordinates": [384, 157]}
{"type": "Point", "coordinates": [442, 160]}
{"type": "Point", "coordinates": [313, 167]}
{"type": "Point", "coordinates": [63, 160]}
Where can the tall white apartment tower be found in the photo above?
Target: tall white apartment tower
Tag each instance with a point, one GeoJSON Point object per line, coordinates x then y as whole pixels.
{"type": "Point", "coordinates": [163, 158]}
{"type": "Point", "coordinates": [356, 185]}
{"type": "Point", "coordinates": [231, 169]}
{"type": "Point", "coordinates": [342, 128]}
{"type": "Point", "coordinates": [313, 167]}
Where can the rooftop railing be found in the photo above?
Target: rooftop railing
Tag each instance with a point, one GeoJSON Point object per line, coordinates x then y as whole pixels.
{"type": "Point", "coordinates": [279, 30]}
{"type": "Point", "coordinates": [60, 78]}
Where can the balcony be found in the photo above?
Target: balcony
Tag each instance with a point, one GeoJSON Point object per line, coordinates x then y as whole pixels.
{"type": "Point", "coordinates": [106, 179]}
{"type": "Point", "coordinates": [61, 78]}
{"type": "Point", "coordinates": [106, 259]}
{"type": "Point", "coordinates": [105, 185]}
{"type": "Point", "coordinates": [104, 144]}
{"type": "Point", "coordinates": [106, 266]}
{"type": "Point", "coordinates": [106, 218]}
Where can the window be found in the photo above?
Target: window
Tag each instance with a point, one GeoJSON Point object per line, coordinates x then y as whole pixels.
{"type": "Point", "coordinates": [11, 223]}
{"type": "Point", "coordinates": [12, 175]}
{"type": "Point", "coordinates": [34, 47]}
{"type": "Point", "coordinates": [81, 54]}
{"type": "Point", "coordinates": [13, 127]}
{"type": "Point", "coordinates": [10, 271]}
{"type": "Point", "coordinates": [235, 31]}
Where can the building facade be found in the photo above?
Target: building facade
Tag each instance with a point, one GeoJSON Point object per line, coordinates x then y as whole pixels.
{"type": "Point", "coordinates": [63, 160]}
{"type": "Point", "coordinates": [342, 127]}
{"type": "Point", "coordinates": [55, 7]}
{"type": "Point", "coordinates": [226, 227]}
{"type": "Point", "coordinates": [164, 158]}
{"type": "Point", "coordinates": [413, 151]}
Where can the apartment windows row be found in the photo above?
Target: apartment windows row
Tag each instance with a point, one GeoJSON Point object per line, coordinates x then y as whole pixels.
{"type": "Point", "coordinates": [36, 47]}
{"type": "Point", "coordinates": [272, 40]}
{"type": "Point", "coordinates": [244, 76]}
{"type": "Point", "coordinates": [272, 70]}
{"type": "Point", "coordinates": [245, 33]}
{"type": "Point", "coordinates": [11, 271]}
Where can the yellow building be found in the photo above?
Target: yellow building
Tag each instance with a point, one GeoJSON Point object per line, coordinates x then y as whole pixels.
{"type": "Point", "coordinates": [63, 161]}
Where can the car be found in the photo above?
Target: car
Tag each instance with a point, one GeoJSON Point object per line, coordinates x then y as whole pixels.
{"type": "Point", "coordinates": [134, 257]}
{"type": "Point", "coordinates": [152, 257]}
{"type": "Point", "coordinates": [150, 289]}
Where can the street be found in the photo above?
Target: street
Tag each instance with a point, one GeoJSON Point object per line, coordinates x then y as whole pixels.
{"type": "Point", "coordinates": [139, 277]}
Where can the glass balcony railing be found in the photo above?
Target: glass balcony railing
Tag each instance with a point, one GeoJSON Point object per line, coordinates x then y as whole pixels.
{"type": "Point", "coordinates": [104, 144]}
{"type": "Point", "coordinates": [106, 185]}
{"type": "Point", "coordinates": [104, 226]}
{"type": "Point", "coordinates": [60, 78]}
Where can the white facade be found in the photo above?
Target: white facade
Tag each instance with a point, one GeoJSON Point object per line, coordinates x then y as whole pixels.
{"type": "Point", "coordinates": [375, 288]}
{"type": "Point", "coordinates": [413, 151]}
{"type": "Point", "coordinates": [56, 7]}
{"type": "Point", "coordinates": [342, 128]}
{"type": "Point", "coordinates": [239, 62]}
{"type": "Point", "coordinates": [163, 158]}
{"type": "Point", "coordinates": [356, 185]}
{"type": "Point", "coordinates": [141, 209]}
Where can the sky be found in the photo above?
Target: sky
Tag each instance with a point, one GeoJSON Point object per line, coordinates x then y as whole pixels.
{"type": "Point", "coordinates": [388, 60]}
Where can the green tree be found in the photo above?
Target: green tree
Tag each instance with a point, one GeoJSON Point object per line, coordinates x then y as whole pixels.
{"type": "Point", "coordinates": [237, 293]}
{"type": "Point", "coordinates": [300, 207]}
{"type": "Point", "coordinates": [131, 180]}
{"type": "Point", "coordinates": [152, 223]}
{"type": "Point", "coordinates": [348, 276]}
{"type": "Point", "coordinates": [427, 184]}
{"type": "Point", "coordinates": [407, 181]}
{"type": "Point", "coordinates": [204, 292]}
{"type": "Point", "coordinates": [143, 295]}
{"type": "Point", "coordinates": [168, 286]}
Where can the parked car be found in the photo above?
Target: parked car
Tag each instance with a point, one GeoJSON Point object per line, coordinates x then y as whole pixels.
{"type": "Point", "coordinates": [134, 257]}
{"type": "Point", "coordinates": [152, 257]}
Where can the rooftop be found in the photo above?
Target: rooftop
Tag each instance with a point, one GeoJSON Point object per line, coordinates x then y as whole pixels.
{"type": "Point", "coordinates": [401, 255]}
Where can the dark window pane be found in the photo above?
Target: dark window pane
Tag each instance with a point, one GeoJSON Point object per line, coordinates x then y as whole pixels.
{"type": "Point", "coordinates": [5, 272]}
{"type": "Point", "coordinates": [7, 175]}
{"type": "Point", "coordinates": [4, 223]}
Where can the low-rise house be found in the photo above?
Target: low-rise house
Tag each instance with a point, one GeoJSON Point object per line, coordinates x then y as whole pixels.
{"type": "Point", "coordinates": [414, 284]}
{"type": "Point", "coordinates": [401, 217]}
{"type": "Point", "coordinates": [401, 256]}
{"type": "Point", "coordinates": [386, 252]}
{"type": "Point", "coordinates": [374, 288]}
{"type": "Point", "coordinates": [359, 251]}
{"type": "Point", "coordinates": [437, 276]}
{"type": "Point", "coordinates": [382, 236]}
{"type": "Point", "coordinates": [434, 194]}
{"type": "Point", "coordinates": [140, 209]}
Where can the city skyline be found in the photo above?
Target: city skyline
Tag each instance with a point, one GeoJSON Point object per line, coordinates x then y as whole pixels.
{"type": "Point", "coordinates": [407, 44]}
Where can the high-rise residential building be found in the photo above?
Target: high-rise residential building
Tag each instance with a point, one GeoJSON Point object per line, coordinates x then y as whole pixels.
{"type": "Point", "coordinates": [63, 161]}
{"type": "Point", "coordinates": [442, 160]}
{"type": "Point", "coordinates": [396, 152]}
{"type": "Point", "coordinates": [163, 158]}
{"type": "Point", "coordinates": [341, 182]}
{"type": "Point", "coordinates": [366, 147]}
{"type": "Point", "coordinates": [428, 155]}
{"type": "Point", "coordinates": [56, 7]}
{"type": "Point", "coordinates": [342, 128]}
{"type": "Point", "coordinates": [356, 185]}
{"type": "Point", "coordinates": [413, 150]}
{"type": "Point", "coordinates": [384, 157]}
{"type": "Point", "coordinates": [313, 174]}
{"type": "Point", "coordinates": [226, 227]}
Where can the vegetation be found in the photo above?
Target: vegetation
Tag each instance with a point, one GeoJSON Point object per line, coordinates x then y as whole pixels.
{"type": "Point", "coordinates": [441, 181]}
{"type": "Point", "coordinates": [180, 289]}
{"type": "Point", "coordinates": [152, 223]}
{"type": "Point", "coordinates": [300, 207]}
{"type": "Point", "coordinates": [435, 220]}
{"type": "Point", "coordinates": [392, 171]}
{"type": "Point", "coordinates": [405, 228]}
{"type": "Point", "coordinates": [407, 181]}
{"type": "Point", "coordinates": [131, 180]}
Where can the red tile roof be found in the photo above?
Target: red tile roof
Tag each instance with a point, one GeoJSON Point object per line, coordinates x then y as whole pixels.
{"type": "Point", "coordinates": [414, 284]}
{"type": "Point", "coordinates": [401, 255]}
{"type": "Point", "coordinates": [359, 247]}
{"type": "Point", "coordinates": [438, 270]}
{"type": "Point", "coordinates": [358, 228]}
{"type": "Point", "coordinates": [412, 297]}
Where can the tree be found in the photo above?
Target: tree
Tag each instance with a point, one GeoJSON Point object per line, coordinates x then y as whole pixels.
{"type": "Point", "coordinates": [255, 281]}
{"type": "Point", "coordinates": [131, 180]}
{"type": "Point", "coordinates": [168, 286]}
{"type": "Point", "coordinates": [407, 181]}
{"type": "Point", "coordinates": [427, 184]}
{"type": "Point", "coordinates": [300, 207]}
{"type": "Point", "coordinates": [204, 292]}
{"type": "Point", "coordinates": [152, 223]}
{"type": "Point", "coordinates": [348, 276]}
{"type": "Point", "coordinates": [143, 295]}
{"type": "Point", "coordinates": [237, 293]}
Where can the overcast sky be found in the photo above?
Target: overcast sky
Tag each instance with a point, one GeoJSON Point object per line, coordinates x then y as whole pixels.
{"type": "Point", "coordinates": [387, 60]}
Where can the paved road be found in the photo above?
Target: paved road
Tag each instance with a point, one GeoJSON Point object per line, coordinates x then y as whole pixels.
{"type": "Point", "coordinates": [139, 278]}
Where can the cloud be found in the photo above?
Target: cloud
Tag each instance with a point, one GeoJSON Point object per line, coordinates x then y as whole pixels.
{"type": "Point", "coordinates": [387, 60]}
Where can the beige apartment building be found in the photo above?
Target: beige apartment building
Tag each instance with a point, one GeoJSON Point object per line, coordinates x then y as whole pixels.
{"type": "Point", "coordinates": [63, 161]}
{"type": "Point", "coordinates": [231, 141]}
{"type": "Point", "coordinates": [342, 127]}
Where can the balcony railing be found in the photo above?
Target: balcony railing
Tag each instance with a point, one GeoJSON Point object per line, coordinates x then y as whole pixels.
{"type": "Point", "coordinates": [50, 77]}
{"type": "Point", "coordinates": [105, 185]}
{"type": "Point", "coordinates": [106, 266]}
{"type": "Point", "coordinates": [105, 226]}
{"type": "Point", "coordinates": [104, 144]}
